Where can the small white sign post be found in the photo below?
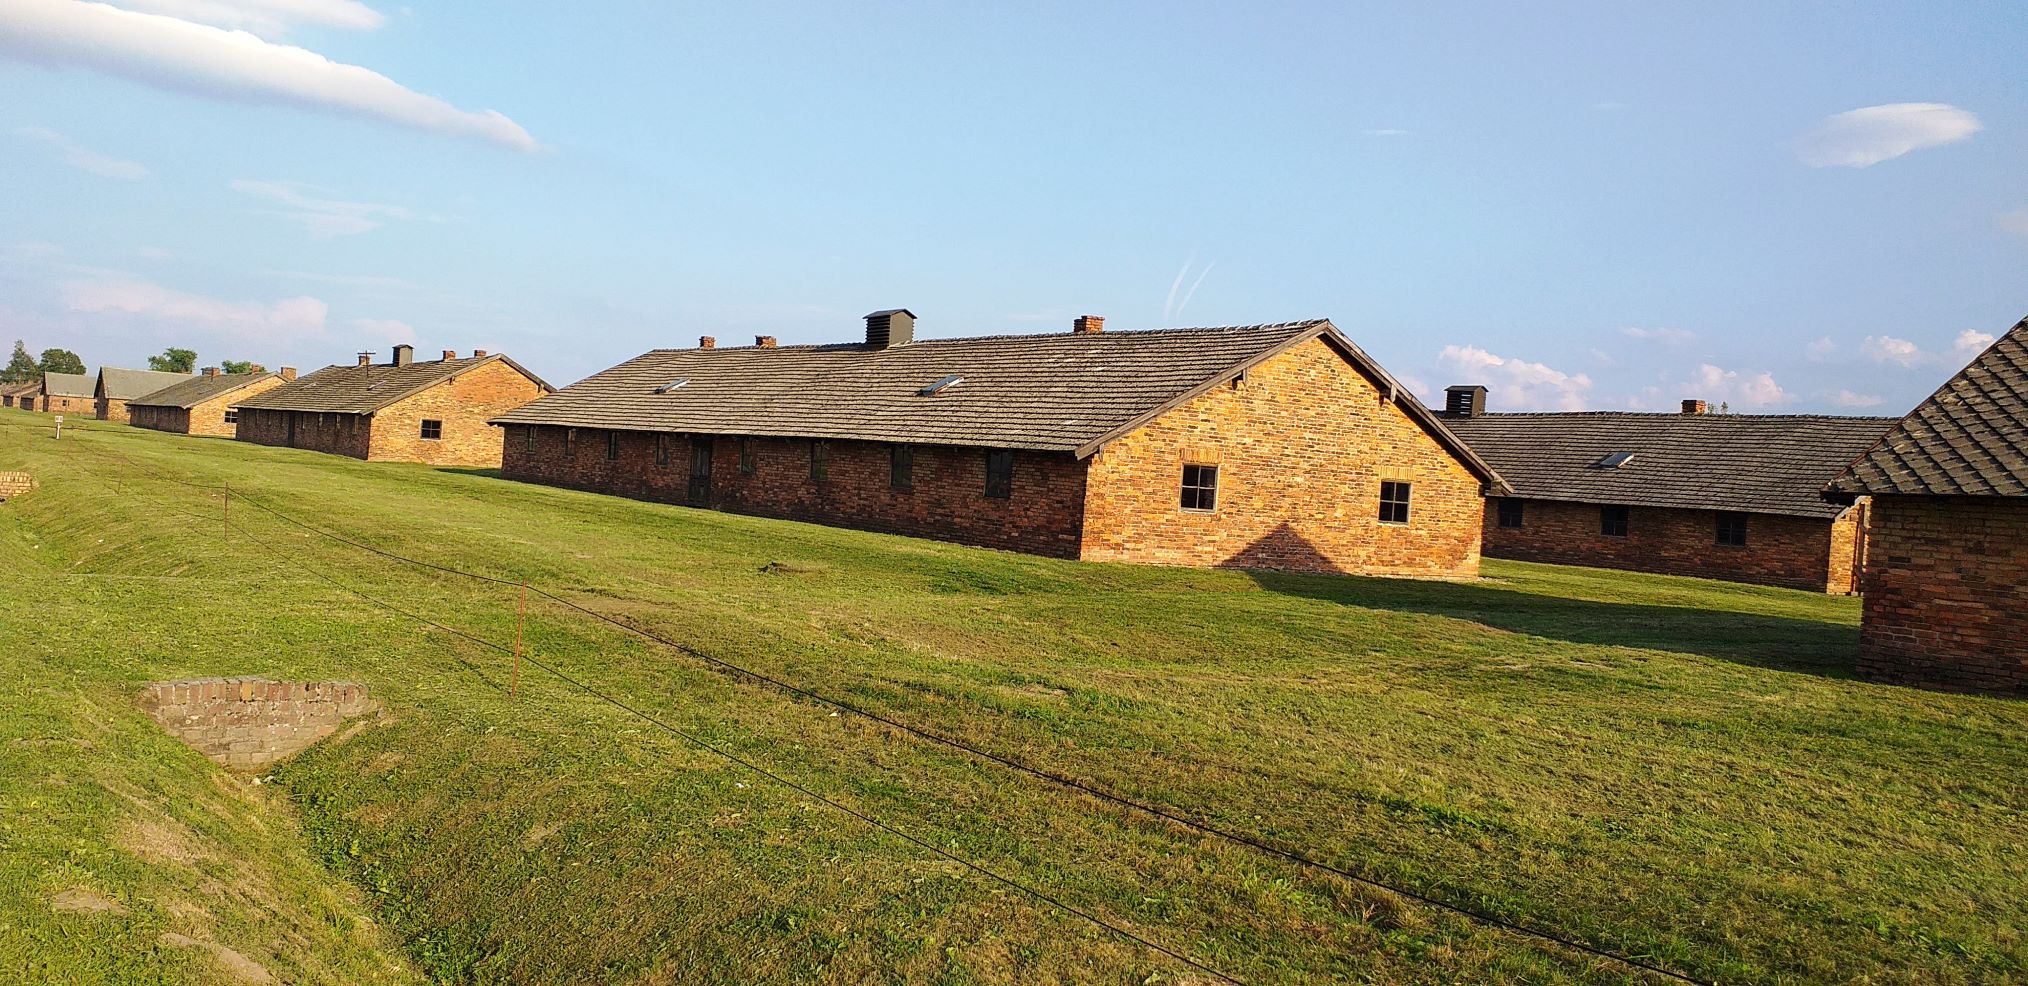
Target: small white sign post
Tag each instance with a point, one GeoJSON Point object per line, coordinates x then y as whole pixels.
{"type": "Point", "coordinates": [59, 427]}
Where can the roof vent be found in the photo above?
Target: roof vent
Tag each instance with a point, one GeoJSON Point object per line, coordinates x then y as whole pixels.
{"type": "Point", "coordinates": [450, 354]}
{"type": "Point", "coordinates": [941, 385]}
{"type": "Point", "coordinates": [1617, 460]}
{"type": "Point", "coordinates": [404, 354]}
{"type": "Point", "coordinates": [366, 358]}
{"type": "Point", "coordinates": [707, 342]}
{"type": "Point", "coordinates": [675, 384]}
{"type": "Point", "coordinates": [764, 342]}
{"type": "Point", "coordinates": [1696, 407]}
{"type": "Point", "coordinates": [893, 327]}
{"type": "Point", "coordinates": [1464, 401]}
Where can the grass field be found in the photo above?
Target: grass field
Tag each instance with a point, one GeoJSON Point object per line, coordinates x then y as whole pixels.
{"type": "Point", "coordinates": [1677, 770]}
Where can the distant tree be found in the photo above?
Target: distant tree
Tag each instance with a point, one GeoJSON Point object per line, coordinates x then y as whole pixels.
{"type": "Point", "coordinates": [241, 366]}
{"type": "Point", "coordinates": [21, 367]}
{"type": "Point", "coordinates": [60, 361]}
{"type": "Point", "coordinates": [174, 360]}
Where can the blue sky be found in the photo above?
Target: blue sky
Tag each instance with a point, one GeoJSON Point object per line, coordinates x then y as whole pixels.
{"type": "Point", "coordinates": [1786, 207]}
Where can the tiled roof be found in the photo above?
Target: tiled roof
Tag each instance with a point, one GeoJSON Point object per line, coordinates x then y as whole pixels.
{"type": "Point", "coordinates": [1062, 392]}
{"type": "Point", "coordinates": [69, 384]}
{"type": "Point", "coordinates": [125, 385]}
{"type": "Point", "coordinates": [1969, 439]}
{"type": "Point", "coordinates": [19, 388]}
{"type": "Point", "coordinates": [366, 389]}
{"type": "Point", "coordinates": [1753, 463]}
{"type": "Point", "coordinates": [196, 390]}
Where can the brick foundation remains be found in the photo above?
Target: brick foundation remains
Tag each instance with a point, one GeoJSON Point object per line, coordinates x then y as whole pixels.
{"type": "Point", "coordinates": [249, 723]}
{"type": "Point", "coordinates": [13, 484]}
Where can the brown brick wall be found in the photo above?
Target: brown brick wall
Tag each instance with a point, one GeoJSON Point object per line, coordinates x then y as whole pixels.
{"type": "Point", "coordinates": [1794, 552]}
{"type": "Point", "coordinates": [83, 407]}
{"type": "Point", "coordinates": [338, 434]}
{"type": "Point", "coordinates": [464, 405]}
{"type": "Point", "coordinates": [1947, 594]}
{"type": "Point", "coordinates": [155, 418]}
{"type": "Point", "coordinates": [110, 409]}
{"type": "Point", "coordinates": [947, 500]}
{"type": "Point", "coordinates": [13, 484]}
{"type": "Point", "coordinates": [246, 723]}
{"type": "Point", "coordinates": [1301, 450]}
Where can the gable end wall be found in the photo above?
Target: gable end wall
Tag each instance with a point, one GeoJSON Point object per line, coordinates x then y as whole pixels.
{"type": "Point", "coordinates": [464, 405]}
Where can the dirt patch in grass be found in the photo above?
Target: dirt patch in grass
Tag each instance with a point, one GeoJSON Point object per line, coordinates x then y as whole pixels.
{"type": "Point", "coordinates": [78, 900]}
{"type": "Point", "coordinates": [160, 842]}
{"type": "Point", "coordinates": [237, 967]}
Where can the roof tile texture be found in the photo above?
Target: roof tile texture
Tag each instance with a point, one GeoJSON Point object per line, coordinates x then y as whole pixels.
{"type": "Point", "coordinates": [366, 389]}
{"type": "Point", "coordinates": [1969, 439]}
{"type": "Point", "coordinates": [196, 390]}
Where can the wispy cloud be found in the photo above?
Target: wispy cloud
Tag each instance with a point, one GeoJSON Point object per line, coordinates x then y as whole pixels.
{"type": "Point", "coordinates": [1172, 306]}
{"type": "Point", "coordinates": [320, 216]}
{"type": "Point", "coordinates": [1864, 137]}
{"type": "Point", "coordinates": [1386, 132]}
{"type": "Point", "coordinates": [1820, 350]}
{"type": "Point", "coordinates": [1970, 343]}
{"type": "Point", "coordinates": [386, 329]}
{"type": "Point", "coordinates": [85, 159]}
{"type": "Point", "coordinates": [1889, 349]}
{"type": "Point", "coordinates": [230, 65]}
{"type": "Point", "coordinates": [1750, 389]}
{"type": "Point", "coordinates": [241, 319]}
{"type": "Point", "coordinates": [1847, 398]}
{"type": "Point", "coordinates": [267, 17]}
{"type": "Point", "coordinates": [1667, 337]}
{"type": "Point", "coordinates": [1516, 383]}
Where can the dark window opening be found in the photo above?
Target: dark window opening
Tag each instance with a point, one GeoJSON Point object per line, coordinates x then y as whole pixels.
{"type": "Point", "coordinates": [662, 450]}
{"type": "Point", "coordinates": [999, 473]}
{"type": "Point", "coordinates": [231, 416]}
{"type": "Point", "coordinates": [1612, 521]}
{"type": "Point", "coordinates": [746, 463]}
{"type": "Point", "coordinates": [432, 430]}
{"type": "Point", "coordinates": [527, 438]}
{"type": "Point", "coordinates": [901, 467]}
{"type": "Point", "coordinates": [570, 442]}
{"type": "Point", "coordinates": [820, 460]}
{"type": "Point", "coordinates": [1394, 501]}
{"type": "Point", "coordinates": [700, 470]}
{"type": "Point", "coordinates": [612, 445]}
{"type": "Point", "coordinates": [1732, 530]}
{"type": "Point", "coordinates": [1200, 488]}
{"type": "Point", "coordinates": [1512, 513]}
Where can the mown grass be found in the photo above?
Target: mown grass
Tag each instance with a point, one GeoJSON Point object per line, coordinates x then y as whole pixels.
{"type": "Point", "coordinates": [1674, 769]}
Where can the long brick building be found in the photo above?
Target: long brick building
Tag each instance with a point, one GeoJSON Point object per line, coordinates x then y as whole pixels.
{"type": "Point", "coordinates": [1718, 496]}
{"type": "Point", "coordinates": [203, 404]}
{"type": "Point", "coordinates": [402, 411]}
{"type": "Point", "coordinates": [1947, 576]}
{"type": "Point", "coordinates": [20, 394]}
{"type": "Point", "coordinates": [72, 394]}
{"type": "Point", "coordinates": [1270, 446]}
{"type": "Point", "coordinates": [115, 387]}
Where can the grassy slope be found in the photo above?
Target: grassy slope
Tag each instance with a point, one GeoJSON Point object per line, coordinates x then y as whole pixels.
{"type": "Point", "coordinates": [1670, 767]}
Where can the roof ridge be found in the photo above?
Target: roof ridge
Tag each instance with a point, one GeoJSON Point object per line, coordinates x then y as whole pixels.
{"type": "Point", "coordinates": [919, 343]}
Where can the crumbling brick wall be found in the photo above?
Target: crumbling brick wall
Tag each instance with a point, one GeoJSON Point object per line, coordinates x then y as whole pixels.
{"type": "Point", "coordinates": [248, 723]}
{"type": "Point", "coordinates": [13, 484]}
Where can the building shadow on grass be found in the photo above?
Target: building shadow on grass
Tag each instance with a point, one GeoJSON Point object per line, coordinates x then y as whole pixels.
{"type": "Point", "coordinates": [1777, 643]}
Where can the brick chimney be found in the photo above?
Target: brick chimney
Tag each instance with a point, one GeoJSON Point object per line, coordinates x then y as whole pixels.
{"type": "Point", "coordinates": [707, 342]}
{"type": "Point", "coordinates": [450, 354]}
{"type": "Point", "coordinates": [211, 371]}
{"type": "Point", "coordinates": [1088, 325]}
{"type": "Point", "coordinates": [1464, 401]}
{"type": "Point", "coordinates": [366, 359]}
{"type": "Point", "coordinates": [765, 342]}
{"type": "Point", "coordinates": [478, 354]}
{"type": "Point", "coordinates": [288, 373]}
{"type": "Point", "coordinates": [404, 354]}
{"type": "Point", "coordinates": [1694, 406]}
{"type": "Point", "coordinates": [890, 328]}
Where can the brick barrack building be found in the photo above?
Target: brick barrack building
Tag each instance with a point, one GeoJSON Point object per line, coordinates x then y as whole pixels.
{"type": "Point", "coordinates": [115, 387]}
{"type": "Point", "coordinates": [402, 411]}
{"type": "Point", "coordinates": [69, 394]}
{"type": "Point", "coordinates": [1269, 446]}
{"type": "Point", "coordinates": [1718, 496]}
{"type": "Point", "coordinates": [1947, 575]}
{"type": "Point", "coordinates": [203, 404]}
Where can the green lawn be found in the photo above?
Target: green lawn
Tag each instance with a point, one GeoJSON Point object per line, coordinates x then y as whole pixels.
{"type": "Point", "coordinates": [1674, 769]}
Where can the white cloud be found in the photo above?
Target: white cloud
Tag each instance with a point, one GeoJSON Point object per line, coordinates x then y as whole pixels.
{"type": "Point", "coordinates": [1667, 337]}
{"type": "Point", "coordinates": [321, 217]}
{"type": "Point", "coordinates": [388, 329]}
{"type": "Point", "coordinates": [1738, 389]}
{"type": "Point", "coordinates": [1516, 382]}
{"type": "Point", "coordinates": [1867, 136]}
{"type": "Point", "coordinates": [1172, 307]}
{"type": "Point", "coordinates": [85, 159]}
{"type": "Point", "coordinates": [1888, 349]}
{"type": "Point", "coordinates": [1970, 343]}
{"type": "Point", "coordinates": [269, 17]}
{"type": "Point", "coordinates": [1846, 398]}
{"type": "Point", "coordinates": [2015, 222]}
{"type": "Point", "coordinates": [231, 65]}
{"type": "Point", "coordinates": [1821, 350]}
{"type": "Point", "coordinates": [240, 319]}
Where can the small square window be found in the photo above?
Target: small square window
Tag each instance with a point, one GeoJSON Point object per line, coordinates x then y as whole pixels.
{"type": "Point", "coordinates": [612, 445]}
{"type": "Point", "coordinates": [231, 416]}
{"type": "Point", "coordinates": [1394, 501]}
{"type": "Point", "coordinates": [820, 460]}
{"type": "Point", "coordinates": [1512, 512]}
{"type": "Point", "coordinates": [746, 458]}
{"type": "Point", "coordinates": [999, 473]}
{"type": "Point", "coordinates": [1200, 488]}
{"type": "Point", "coordinates": [432, 430]}
{"type": "Point", "coordinates": [662, 451]}
{"type": "Point", "coordinates": [901, 467]}
{"type": "Point", "coordinates": [1612, 521]}
{"type": "Point", "coordinates": [1732, 530]}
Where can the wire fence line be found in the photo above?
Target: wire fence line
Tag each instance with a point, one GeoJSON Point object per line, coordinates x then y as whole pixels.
{"type": "Point", "coordinates": [1170, 815]}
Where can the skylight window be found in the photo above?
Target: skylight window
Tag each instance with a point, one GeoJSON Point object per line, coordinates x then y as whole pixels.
{"type": "Point", "coordinates": [941, 385]}
{"type": "Point", "coordinates": [1614, 461]}
{"type": "Point", "coordinates": [672, 385]}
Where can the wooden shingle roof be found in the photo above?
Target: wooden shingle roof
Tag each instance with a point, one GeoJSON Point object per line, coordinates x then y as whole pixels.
{"type": "Point", "coordinates": [1751, 463]}
{"type": "Point", "coordinates": [1969, 439]}
{"type": "Point", "coordinates": [1059, 392]}
{"type": "Point", "coordinates": [125, 385]}
{"type": "Point", "coordinates": [366, 389]}
{"type": "Point", "coordinates": [69, 384]}
{"type": "Point", "coordinates": [196, 390]}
